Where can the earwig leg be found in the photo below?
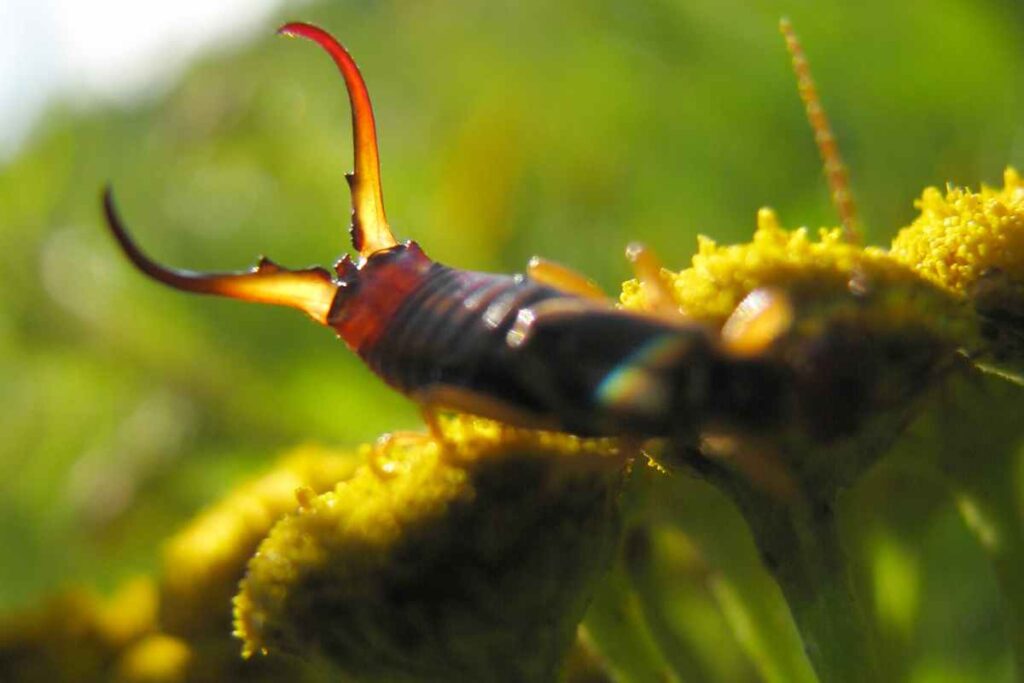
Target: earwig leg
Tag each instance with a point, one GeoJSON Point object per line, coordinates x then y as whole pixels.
{"type": "Point", "coordinates": [563, 278]}
{"type": "Point", "coordinates": [429, 413]}
{"type": "Point", "coordinates": [647, 268]}
{"type": "Point", "coordinates": [759, 463]}
{"type": "Point", "coordinates": [441, 396]}
{"type": "Point", "coordinates": [762, 317]}
{"type": "Point", "coordinates": [835, 170]}
{"type": "Point", "coordinates": [379, 462]}
{"type": "Point", "coordinates": [304, 496]}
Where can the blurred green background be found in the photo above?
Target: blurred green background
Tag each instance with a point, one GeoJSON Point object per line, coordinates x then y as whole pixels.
{"type": "Point", "coordinates": [507, 129]}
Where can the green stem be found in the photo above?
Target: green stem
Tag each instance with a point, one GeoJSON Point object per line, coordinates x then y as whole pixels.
{"type": "Point", "coordinates": [798, 539]}
{"type": "Point", "coordinates": [995, 520]}
{"type": "Point", "coordinates": [616, 625]}
{"type": "Point", "coordinates": [800, 546]}
{"type": "Point", "coordinates": [679, 653]}
{"type": "Point", "coordinates": [749, 599]}
{"type": "Point", "coordinates": [981, 467]}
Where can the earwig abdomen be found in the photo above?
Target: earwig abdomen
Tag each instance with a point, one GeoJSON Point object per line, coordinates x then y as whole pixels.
{"type": "Point", "coordinates": [511, 348]}
{"type": "Point", "coordinates": [612, 372]}
{"type": "Point", "coordinates": [451, 333]}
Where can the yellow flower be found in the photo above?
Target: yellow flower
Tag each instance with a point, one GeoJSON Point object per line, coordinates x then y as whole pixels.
{"type": "Point", "coordinates": [76, 635]}
{"type": "Point", "coordinates": [157, 658]}
{"type": "Point", "coordinates": [962, 235]}
{"type": "Point", "coordinates": [818, 274]}
{"type": "Point", "coordinates": [204, 562]}
{"type": "Point", "coordinates": [852, 333]}
{"type": "Point", "coordinates": [972, 244]}
{"type": "Point", "coordinates": [441, 560]}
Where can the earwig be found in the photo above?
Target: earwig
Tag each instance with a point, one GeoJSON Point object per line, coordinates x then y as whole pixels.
{"type": "Point", "coordinates": [543, 351]}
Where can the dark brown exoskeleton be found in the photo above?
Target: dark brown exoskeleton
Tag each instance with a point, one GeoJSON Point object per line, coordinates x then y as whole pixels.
{"type": "Point", "coordinates": [545, 350]}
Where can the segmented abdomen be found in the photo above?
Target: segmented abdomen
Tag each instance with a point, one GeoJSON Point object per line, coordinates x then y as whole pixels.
{"type": "Point", "coordinates": [571, 364]}
{"type": "Point", "coordinates": [451, 331]}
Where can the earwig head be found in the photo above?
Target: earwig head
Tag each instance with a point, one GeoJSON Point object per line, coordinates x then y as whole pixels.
{"type": "Point", "coordinates": [370, 231]}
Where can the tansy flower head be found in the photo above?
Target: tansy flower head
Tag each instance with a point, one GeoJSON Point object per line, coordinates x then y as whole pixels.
{"type": "Point", "coordinates": [204, 562]}
{"type": "Point", "coordinates": [76, 635]}
{"type": "Point", "coordinates": [158, 658]}
{"type": "Point", "coordinates": [441, 560]}
{"type": "Point", "coordinates": [826, 269]}
{"type": "Point", "coordinates": [962, 236]}
{"type": "Point", "coordinates": [972, 243]}
{"type": "Point", "coordinates": [853, 332]}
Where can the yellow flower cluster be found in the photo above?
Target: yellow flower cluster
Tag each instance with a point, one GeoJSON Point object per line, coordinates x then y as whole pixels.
{"type": "Point", "coordinates": [822, 278]}
{"type": "Point", "coordinates": [204, 561]}
{"type": "Point", "coordinates": [79, 636]}
{"type": "Point", "coordinates": [180, 629]}
{"type": "Point", "coordinates": [442, 560]}
{"type": "Point", "coordinates": [521, 522]}
{"type": "Point", "coordinates": [963, 235]}
{"type": "Point", "coordinates": [720, 276]}
{"type": "Point", "coordinates": [157, 658]}
{"type": "Point", "coordinates": [956, 273]}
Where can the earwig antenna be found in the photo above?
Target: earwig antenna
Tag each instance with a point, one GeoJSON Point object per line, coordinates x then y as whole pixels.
{"type": "Point", "coordinates": [835, 170]}
{"type": "Point", "coordinates": [370, 231]}
{"type": "Point", "coordinates": [310, 290]}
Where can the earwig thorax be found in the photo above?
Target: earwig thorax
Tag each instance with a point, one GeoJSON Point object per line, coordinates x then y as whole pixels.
{"type": "Point", "coordinates": [370, 293]}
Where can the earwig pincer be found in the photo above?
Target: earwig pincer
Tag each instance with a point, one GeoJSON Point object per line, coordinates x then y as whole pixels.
{"type": "Point", "coordinates": [543, 350]}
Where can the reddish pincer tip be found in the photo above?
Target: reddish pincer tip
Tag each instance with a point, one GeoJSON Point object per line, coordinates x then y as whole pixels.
{"type": "Point", "coordinates": [297, 28]}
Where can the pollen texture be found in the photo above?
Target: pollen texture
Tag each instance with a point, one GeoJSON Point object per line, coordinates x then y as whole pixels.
{"type": "Point", "coordinates": [962, 235]}
{"type": "Point", "coordinates": [204, 561]}
{"type": "Point", "coordinates": [468, 558]}
{"type": "Point", "coordinates": [720, 276]}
